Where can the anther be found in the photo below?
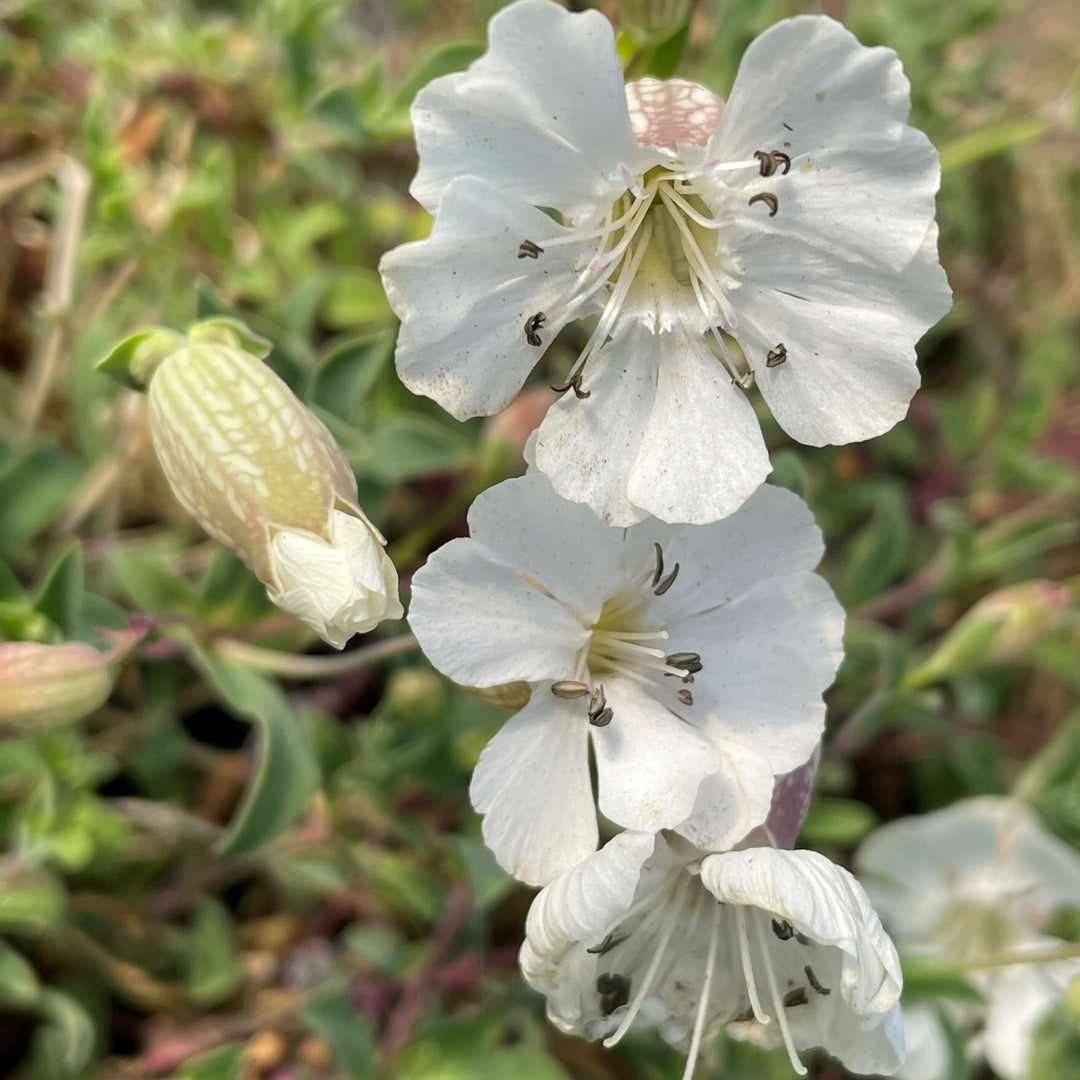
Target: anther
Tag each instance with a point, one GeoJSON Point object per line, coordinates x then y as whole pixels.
{"type": "Point", "coordinates": [772, 160]}
{"type": "Point", "coordinates": [745, 381]}
{"type": "Point", "coordinates": [769, 199]}
{"type": "Point", "coordinates": [685, 697]}
{"type": "Point", "coordinates": [569, 689]}
{"type": "Point", "coordinates": [659, 571]}
{"type": "Point", "coordinates": [614, 991]}
{"type": "Point", "coordinates": [663, 586]}
{"type": "Point", "coordinates": [534, 322]}
{"type": "Point", "coordinates": [782, 929]}
{"type": "Point", "coordinates": [598, 702]}
{"type": "Point", "coordinates": [529, 250]}
{"type": "Point", "coordinates": [602, 718]}
{"type": "Point", "coordinates": [690, 662]}
{"type": "Point", "coordinates": [607, 944]}
{"type": "Point", "coordinates": [573, 383]}
{"type": "Point", "coordinates": [795, 997]}
{"type": "Point", "coordinates": [812, 979]}
{"type": "Point", "coordinates": [775, 357]}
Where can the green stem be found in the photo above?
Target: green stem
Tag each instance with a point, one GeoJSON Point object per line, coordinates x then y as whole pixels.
{"type": "Point", "coordinates": [292, 666]}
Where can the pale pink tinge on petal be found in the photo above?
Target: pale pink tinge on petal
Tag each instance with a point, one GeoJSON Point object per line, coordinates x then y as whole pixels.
{"type": "Point", "coordinates": [666, 112]}
{"type": "Point", "coordinates": [791, 801]}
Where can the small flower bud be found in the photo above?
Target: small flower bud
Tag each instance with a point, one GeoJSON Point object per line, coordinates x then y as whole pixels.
{"type": "Point", "coordinates": [999, 628]}
{"type": "Point", "coordinates": [45, 685]}
{"type": "Point", "coordinates": [262, 475]}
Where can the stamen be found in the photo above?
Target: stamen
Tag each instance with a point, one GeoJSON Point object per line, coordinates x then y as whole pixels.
{"type": "Point", "coordinates": [689, 662]}
{"type": "Point", "coordinates": [772, 160]}
{"type": "Point", "coordinates": [569, 689]}
{"type": "Point", "coordinates": [812, 979]}
{"type": "Point", "coordinates": [572, 384]}
{"type": "Point", "coordinates": [774, 991]}
{"type": "Point", "coordinates": [666, 584]}
{"type": "Point", "coordinates": [532, 324]}
{"type": "Point", "coordinates": [631, 180]}
{"type": "Point", "coordinates": [720, 166]}
{"type": "Point", "coordinates": [614, 990]}
{"type": "Point", "coordinates": [659, 563]}
{"type": "Point", "coordinates": [654, 965]}
{"type": "Point", "coordinates": [527, 249]}
{"type": "Point", "coordinates": [685, 697]}
{"type": "Point", "coordinates": [769, 199]}
{"type": "Point", "coordinates": [609, 943]}
{"type": "Point", "coordinates": [703, 1003]}
{"type": "Point", "coordinates": [602, 718]}
{"type": "Point", "coordinates": [598, 702]}
{"type": "Point", "coordinates": [782, 929]}
{"type": "Point", "coordinates": [760, 1015]}
{"type": "Point", "coordinates": [690, 212]}
{"type": "Point", "coordinates": [775, 357]}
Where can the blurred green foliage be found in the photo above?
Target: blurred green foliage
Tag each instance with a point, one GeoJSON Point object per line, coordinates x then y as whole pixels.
{"type": "Point", "coordinates": [224, 875]}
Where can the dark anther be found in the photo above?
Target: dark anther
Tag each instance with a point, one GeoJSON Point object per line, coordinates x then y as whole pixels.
{"type": "Point", "coordinates": [795, 997]}
{"type": "Point", "coordinates": [602, 718]}
{"type": "Point", "coordinates": [772, 161]}
{"type": "Point", "coordinates": [614, 991]}
{"type": "Point", "coordinates": [775, 357]}
{"type": "Point", "coordinates": [658, 573]}
{"type": "Point", "coordinates": [529, 250]}
{"type": "Point", "coordinates": [745, 381]}
{"type": "Point", "coordinates": [570, 384]}
{"type": "Point", "coordinates": [685, 697]}
{"type": "Point", "coordinates": [690, 662]}
{"type": "Point", "coordinates": [598, 702]}
{"type": "Point", "coordinates": [607, 944]}
{"type": "Point", "coordinates": [782, 929]}
{"type": "Point", "coordinates": [534, 322]}
{"type": "Point", "coordinates": [769, 199]}
{"type": "Point", "coordinates": [663, 586]}
{"type": "Point", "coordinates": [812, 978]}
{"type": "Point", "coordinates": [569, 689]}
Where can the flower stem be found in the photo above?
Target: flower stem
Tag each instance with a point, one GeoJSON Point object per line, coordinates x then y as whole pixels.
{"type": "Point", "coordinates": [312, 667]}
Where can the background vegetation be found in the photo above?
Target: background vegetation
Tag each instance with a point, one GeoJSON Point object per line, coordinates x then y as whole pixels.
{"type": "Point", "coordinates": [225, 874]}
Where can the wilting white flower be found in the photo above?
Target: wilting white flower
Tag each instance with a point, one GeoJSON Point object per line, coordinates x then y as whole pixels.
{"type": "Point", "coordinates": [778, 946]}
{"type": "Point", "coordinates": [262, 475]}
{"type": "Point", "coordinates": [693, 657]}
{"type": "Point", "coordinates": [797, 218]}
{"type": "Point", "coordinates": [978, 881]}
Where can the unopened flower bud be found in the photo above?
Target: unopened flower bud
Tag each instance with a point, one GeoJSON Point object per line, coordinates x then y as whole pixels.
{"type": "Point", "coordinates": [45, 685]}
{"type": "Point", "coordinates": [262, 475]}
{"type": "Point", "coordinates": [999, 628]}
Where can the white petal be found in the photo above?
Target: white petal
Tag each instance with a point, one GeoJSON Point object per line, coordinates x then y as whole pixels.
{"type": "Point", "coordinates": [822, 901]}
{"type": "Point", "coordinates": [649, 763]}
{"type": "Point", "coordinates": [532, 784]}
{"type": "Point", "coordinates": [849, 331]}
{"type": "Point", "coordinates": [481, 624]}
{"type": "Point", "coordinates": [927, 1043]}
{"type": "Point", "coordinates": [1020, 998]}
{"type": "Point", "coordinates": [339, 589]}
{"type": "Point", "coordinates": [768, 657]}
{"type": "Point", "coordinates": [773, 534]}
{"type": "Point", "coordinates": [861, 183]}
{"type": "Point", "coordinates": [732, 801]}
{"type": "Point", "coordinates": [702, 454]}
{"type": "Point", "coordinates": [580, 905]}
{"type": "Point", "coordinates": [587, 447]}
{"type": "Point", "coordinates": [542, 114]}
{"type": "Point", "coordinates": [561, 545]}
{"type": "Point", "coordinates": [791, 801]}
{"type": "Point", "coordinates": [464, 296]}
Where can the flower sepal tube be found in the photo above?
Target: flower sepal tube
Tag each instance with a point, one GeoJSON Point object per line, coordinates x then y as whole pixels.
{"type": "Point", "coordinates": [261, 474]}
{"type": "Point", "coordinates": [692, 658]}
{"type": "Point", "coordinates": [797, 218]}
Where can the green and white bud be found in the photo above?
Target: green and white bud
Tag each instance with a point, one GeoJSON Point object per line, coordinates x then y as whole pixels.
{"type": "Point", "coordinates": [262, 475]}
{"type": "Point", "coordinates": [45, 685]}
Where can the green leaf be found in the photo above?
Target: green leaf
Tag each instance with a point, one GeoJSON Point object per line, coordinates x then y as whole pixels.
{"type": "Point", "coordinates": [841, 822]}
{"type": "Point", "coordinates": [224, 1063]}
{"type": "Point", "coordinates": [32, 902]}
{"type": "Point", "coordinates": [411, 445]}
{"type": "Point", "coordinates": [447, 58]}
{"type": "Point", "coordinates": [60, 597]}
{"type": "Point", "coordinates": [117, 363]}
{"type": "Point", "coordinates": [934, 981]}
{"type": "Point", "coordinates": [347, 374]}
{"type": "Point", "coordinates": [488, 881]}
{"type": "Point", "coordinates": [215, 971]}
{"type": "Point", "coordinates": [35, 485]}
{"type": "Point", "coordinates": [19, 984]}
{"type": "Point", "coordinates": [286, 771]}
{"type": "Point", "coordinates": [331, 1014]}
{"type": "Point", "coordinates": [875, 558]}
{"type": "Point", "coordinates": [146, 575]}
{"type": "Point", "coordinates": [65, 1041]}
{"type": "Point", "coordinates": [356, 298]}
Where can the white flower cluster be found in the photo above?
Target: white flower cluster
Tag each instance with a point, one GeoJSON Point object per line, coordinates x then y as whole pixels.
{"type": "Point", "coordinates": [660, 603]}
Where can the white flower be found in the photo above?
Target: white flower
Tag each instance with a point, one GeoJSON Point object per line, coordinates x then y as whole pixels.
{"type": "Point", "coordinates": [687, 654]}
{"type": "Point", "coordinates": [778, 946]}
{"type": "Point", "coordinates": [976, 881]}
{"type": "Point", "coordinates": [263, 476]}
{"type": "Point", "coordinates": [798, 218]}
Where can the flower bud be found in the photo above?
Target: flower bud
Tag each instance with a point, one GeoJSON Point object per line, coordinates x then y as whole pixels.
{"type": "Point", "coordinates": [999, 628]}
{"type": "Point", "coordinates": [45, 685]}
{"type": "Point", "coordinates": [262, 475]}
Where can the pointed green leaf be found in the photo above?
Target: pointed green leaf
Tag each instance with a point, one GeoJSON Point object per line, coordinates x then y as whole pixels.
{"type": "Point", "coordinates": [60, 597]}
{"type": "Point", "coordinates": [214, 968]}
{"type": "Point", "coordinates": [19, 984]}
